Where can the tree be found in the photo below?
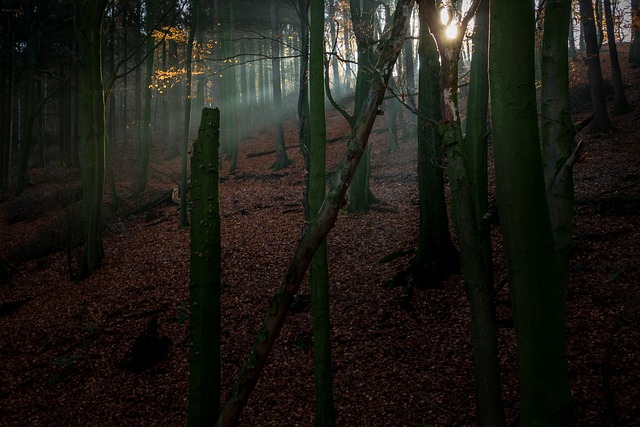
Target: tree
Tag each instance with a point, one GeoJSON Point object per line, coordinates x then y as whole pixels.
{"type": "Point", "coordinates": [35, 13]}
{"type": "Point", "coordinates": [187, 116]}
{"type": "Point", "coordinates": [7, 51]}
{"type": "Point", "coordinates": [313, 236]}
{"type": "Point", "coordinates": [363, 18]}
{"type": "Point", "coordinates": [204, 279]}
{"type": "Point", "coordinates": [91, 126]}
{"type": "Point", "coordinates": [282, 161]}
{"type": "Point", "coordinates": [537, 290]}
{"type": "Point", "coordinates": [145, 141]}
{"type": "Point", "coordinates": [228, 90]}
{"type": "Point", "coordinates": [620, 103]}
{"type": "Point", "coordinates": [476, 129]}
{"type": "Point", "coordinates": [319, 269]}
{"type": "Point", "coordinates": [601, 122]}
{"type": "Point", "coordinates": [475, 270]}
{"type": "Point", "coordinates": [557, 130]}
{"type": "Point", "coordinates": [436, 255]}
{"type": "Point", "coordinates": [634, 49]}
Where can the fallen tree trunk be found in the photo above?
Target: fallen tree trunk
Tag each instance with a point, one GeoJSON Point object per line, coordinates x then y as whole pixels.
{"type": "Point", "coordinates": [313, 236]}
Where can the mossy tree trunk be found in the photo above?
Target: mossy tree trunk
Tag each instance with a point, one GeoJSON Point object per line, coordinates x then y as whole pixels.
{"type": "Point", "coordinates": [204, 279]}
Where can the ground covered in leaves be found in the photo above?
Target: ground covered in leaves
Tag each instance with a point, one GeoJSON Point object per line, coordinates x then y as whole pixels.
{"type": "Point", "coordinates": [66, 347]}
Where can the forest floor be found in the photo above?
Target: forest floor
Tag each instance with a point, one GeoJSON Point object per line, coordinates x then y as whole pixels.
{"type": "Point", "coordinates": [65, 346]}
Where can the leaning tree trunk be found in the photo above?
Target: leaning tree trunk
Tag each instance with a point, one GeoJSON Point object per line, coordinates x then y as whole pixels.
{"type": "Point", "coordinates": [204, 279]}
{"type": "Point", "coordinates": [313, 236]}
{"type": "Point", "coordinates": [537, 291]}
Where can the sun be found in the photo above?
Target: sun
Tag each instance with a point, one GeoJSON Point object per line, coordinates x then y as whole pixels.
{"type": "Point", "coordinates": [452, 31]}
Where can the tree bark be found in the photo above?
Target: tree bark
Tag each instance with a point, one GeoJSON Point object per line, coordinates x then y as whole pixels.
{"type": "Point", "coordinates": [314, 235]}
{"type": "Point", "coordinates": [557, 130]}
{"type": "Point", "coordinates": [319, 268]}
{"type": "Point", "coordinates": [436, 256]}
{"type": "Point", "coordinates": [537, 292]}
{"type": "Point", "coordinates": [91, 127]}
{"type": "Point", "coordinates": [477, 132]}
{"type": "Point", "coordinates": [204, 279]}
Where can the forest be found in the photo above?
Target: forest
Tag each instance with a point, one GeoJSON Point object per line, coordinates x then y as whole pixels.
{"type": "Point", "coordinates": [305, 212]}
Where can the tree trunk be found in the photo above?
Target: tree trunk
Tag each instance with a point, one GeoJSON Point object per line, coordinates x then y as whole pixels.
{"type": "Point", "coordinates": [204, 279]}
{"type": "Point", "coordinates": [91, 127]}
{"type": "Point", "coordinates": [557, 128]}
{"type": "Point", "coordinates": [187, 117]}
{"type": "Point", "coordinates": [474, 269]}
{"type": "Point", "coordinates": [477, 132]}
{"type": "Point", "coordinates": [337, 84]}
{"type": "Point", "coordinates": [634, 49]}
{"type": "Point", "coordinates": [228, 92]}
{"type": "Point", "coordinates": [33, 46]}
{"type": "Point", "coordinates": [282, 161]}
{"type": "Point", "coordinates": [598, 22]}
{"type": "Point", "coordinates": [620, 103]}
{"type": "Point", "coordinates": [436, 257]}
{"type": "Point", "coordinates": [145, 143]}
{"type": "Point", "coordinates": [537, 292]}
{"type": "Point", "coordinates": [573, 54]}
{"type": "Point", "coordinates": [319, 268]}
{"type": "Point", "coordinates": [601, 122]}
{"type": "Point", "coordinates": [6, 117]}
{"type": "Point", "coordinates": [313, 236]}
{"type": "Point", "coordinates": [363, 19]}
